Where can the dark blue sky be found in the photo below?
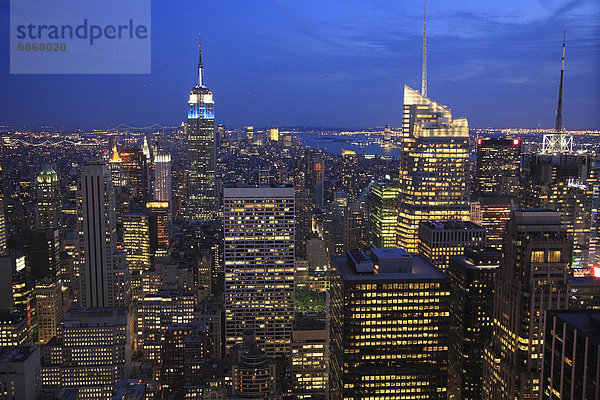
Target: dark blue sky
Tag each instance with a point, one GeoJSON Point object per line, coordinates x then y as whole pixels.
{"type": "Point", "coordinates": [335, 63]}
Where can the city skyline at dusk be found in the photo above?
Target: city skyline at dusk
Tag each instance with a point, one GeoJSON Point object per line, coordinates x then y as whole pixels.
{"type": "Point", "coordinates": [321, 64]}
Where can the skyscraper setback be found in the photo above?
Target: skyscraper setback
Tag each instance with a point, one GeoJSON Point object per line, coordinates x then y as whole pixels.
{"type": "Point", "coordinates": [202, 202]}
{"type": "Point", "coordinates": [434, 173]}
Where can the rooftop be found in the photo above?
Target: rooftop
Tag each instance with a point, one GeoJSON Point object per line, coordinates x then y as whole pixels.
{"type": "Point", "coordinates": [452, 224]}
{"type": "Point", "coordinates": [586, 322]}
{"type": "Point", "coordinates": [16, 353]}
{"type": "Point", "coordinates": [395, 264]}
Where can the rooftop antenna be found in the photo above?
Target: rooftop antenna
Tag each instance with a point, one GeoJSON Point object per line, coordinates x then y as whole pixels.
{"type": "Point", "coordinates": [560, 90]}
{"type": "Point", "coordinates": [200, 69]}
{"type": "Point", "coordinates": [559, 142]}
{"type": "Point", "coordinates": [424, 72]}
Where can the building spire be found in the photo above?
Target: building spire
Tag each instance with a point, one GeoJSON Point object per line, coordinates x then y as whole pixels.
{"type": "Point", "coordinates": [424, 72]}
{"type": "Point", "coordinates": [200, 68]}
{"type": "Point", "coordinates": [560, 89]}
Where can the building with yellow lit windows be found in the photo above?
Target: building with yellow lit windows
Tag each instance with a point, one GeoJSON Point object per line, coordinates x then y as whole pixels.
{"type": "Point", "coordinates": [259, 260]}
{"type": "Point", "coordinates": [309, 357]}
{"type": "Point", "coordinates": [389, 323]}
{"type": "Point", "coordinates": [91, 352]}
{"type": "Point", "coordinates": [440, 240]}
{"type": "Point", "coordinates": [532, 278]}
{"type": "Point", "coordinates": [139, 238]}
{"type": "Point", "coordinates": [434, 172]}
{"type": "Point", "coordinates": [383, 214]}
{"type": "Point", "coordinates": [47, 211]}
{"type": "Point", "coordinates": [156, 312]}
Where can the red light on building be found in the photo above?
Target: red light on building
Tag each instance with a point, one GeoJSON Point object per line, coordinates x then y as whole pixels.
{"type": "Point", "coordinates": [516, 142]}
{"type": "Point", "coordinates": [479, 142]}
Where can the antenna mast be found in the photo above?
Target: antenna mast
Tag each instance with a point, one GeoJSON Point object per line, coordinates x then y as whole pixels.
{"type": "Point", "coordinates": [200, 68]}
{"type": "Point", "coordinates": [424, 72]}
{"type": "Point", "coordinates": [560, 90]}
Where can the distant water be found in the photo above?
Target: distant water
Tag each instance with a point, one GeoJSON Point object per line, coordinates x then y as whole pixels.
{"type": "Point", "coordinates": [334, 144]}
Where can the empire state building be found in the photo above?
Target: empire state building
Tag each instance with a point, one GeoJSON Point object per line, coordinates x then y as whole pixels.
{"type": "Point", "coordinates": [200, 130]}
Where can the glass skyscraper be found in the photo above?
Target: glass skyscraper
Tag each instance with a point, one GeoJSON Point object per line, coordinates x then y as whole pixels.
{"type": "Point", "coordinates": [434, 172]}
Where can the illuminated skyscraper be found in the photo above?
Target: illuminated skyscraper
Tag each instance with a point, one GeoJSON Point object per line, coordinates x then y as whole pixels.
{"type": "Point", "coordinates": [48, 200]}
{"type": "Point", "coordinates": [532, 278]}
{"type": "Point", "coordinates": [162, 177]}
{"type": "Point", "coordinates": [388, 336]}
{"type": "Point", "coordinates": [101, 269]}
{"type": "Point", "coordinates": [162, 211]}
{"type": "Point", "coordinates": [383, 214]}
{"type": "Point", "coordinates": [259, 265]}
{"type": "Point", "coordinates": [496, 185]}
{"type": "Point", "coordinates": [202, 201]}
{"type": "Point", "coordinates": [48, 308]}
{"type": "Point", "coordinates": [492, 213]}
{"type": "Point", "coordinates": [434, 173]}
{"type": "Point", "coordinates": [498, 167]}
{"type": "Point", "coordinates": [139, 238]}
{"type": "Point", "coordinates": [115, 164]}
{"type": "Point", "coordinates": [351, 182]}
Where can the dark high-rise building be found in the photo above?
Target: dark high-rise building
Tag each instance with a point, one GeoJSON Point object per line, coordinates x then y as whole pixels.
{"type": "Point", "coordinates": [498, 167]}
{"type": "Point", "coordinates": [202, 201]}
{"type": "Point", "coordinates": [48, 208]}
{"type": "Point", "coordinates": [496, 185]}
{"type": "Point", "coordinates": [102, 270]}
{"type": "Point", "coordinates": [135, 168]}
{"type": "Point", "coordinates": [434, 173]}
{"type": "Point", "coordinates": [177, 339]}
{"type": "Point", "coordinates": [389, 327]}
{"type": "Point", "coordinates": [492, 213]}
{"type": "Point", "coordinates": [531, 279]}
{"type": "Point", "coordinates": [471, 316]}
{"type": "Point", "coordinates": [559, 182]}
{"type": "Point", "coordinates": [44, 254]}
{"type": "Point", "coordinates": [438, 241]}
{"type": "Point", "coordinates": [314, 172]}
{"type": "Point", "coordinates": [571, 361]}
{"type": "Point", "coordinates": [355, 226]}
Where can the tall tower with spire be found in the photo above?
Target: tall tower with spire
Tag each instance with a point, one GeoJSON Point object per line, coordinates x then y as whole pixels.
{"type": "Point", "coordinates": [434, 174]}
{"type": "Point", "coordinates": [202, 202]}
{"type": "Point", "coordinates": [424, 72]}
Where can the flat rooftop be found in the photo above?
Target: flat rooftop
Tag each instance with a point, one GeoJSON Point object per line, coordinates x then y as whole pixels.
{"type": "Point", "coordinates": [16, 353]}
{"type": "Point", "coordinates": [452, 224]}
{"type": "Point", "coordinates": [586, 322]}
{"type": "Point", "coordinates": [421, 269]}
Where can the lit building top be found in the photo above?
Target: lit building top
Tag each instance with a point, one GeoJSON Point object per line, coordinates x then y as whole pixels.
{"type": "Point", "coordinates": [48, 175]}
{"type": "Point", "coordinates": [115, 158]}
